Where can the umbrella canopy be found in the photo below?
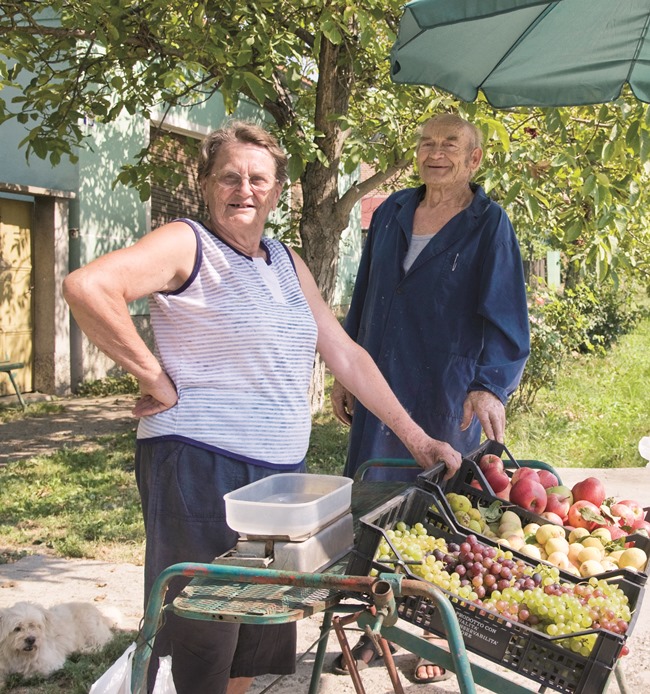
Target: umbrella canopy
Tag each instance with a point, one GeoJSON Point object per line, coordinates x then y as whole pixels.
{"type": "Point", "coordinates": [526, 52]}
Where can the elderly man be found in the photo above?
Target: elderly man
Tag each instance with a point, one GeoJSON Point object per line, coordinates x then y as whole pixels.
{"type": "Point", "coordinates": [440, 304]}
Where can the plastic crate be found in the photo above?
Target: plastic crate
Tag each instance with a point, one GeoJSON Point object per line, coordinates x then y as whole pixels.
{"type": "Point", "coordinates": [461, 483]}
{"type": "Point", "coordinates": [516, 646]}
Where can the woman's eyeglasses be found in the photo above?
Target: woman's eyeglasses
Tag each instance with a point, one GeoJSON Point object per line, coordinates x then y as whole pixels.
{"type": "Point", "coordinates": [258, 182]}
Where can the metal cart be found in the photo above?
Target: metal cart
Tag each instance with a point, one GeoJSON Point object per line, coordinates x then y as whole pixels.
{"type": "Point", "coordinates": [265, 596]}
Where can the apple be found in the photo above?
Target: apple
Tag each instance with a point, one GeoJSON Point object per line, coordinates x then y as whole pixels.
{"type": "Point", "coordinates": [624, 515]}
{"type": "Point", "coordinates": [590, 489]}
{"type": "Point", "coordinates": [546, 532]}
{"type": "Point", "coordinates": [531, 551]}
{"type": "Point", "coordinates": [547, 478]}
{"type": "Point", "coordinates": [633, 558]}
{"type": "Point", "coordinates": [529, 493]}
{"type": "Point", "coordinates": [635, 506]}
{"type": "Point", "coordinates": [522, 472]}
{"type": "Point", "coordinates": [490, 462]}
{"type": "Point", "coordinates": [591, 567]}
{"type": "Point", "coordinates": [559, 559]}
{"type": "Point", "coordinates": [552, 517]}
{"type": "Point", "coordinates": [504, 495]}
{"type": "Point", "coordinates": [476, 484]}
{"type": "Point", "coordinates": [584, 514]}
{"type": "Point", "coordinates": [641, 525]}
{"type": "Point", "coordinates": [559, 500]}
{"type": "Point", "coordinates": [497, 479]}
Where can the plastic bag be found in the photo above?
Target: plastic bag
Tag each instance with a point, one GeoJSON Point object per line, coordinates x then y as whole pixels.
{"type": "Point", "coordinates": [164, 682]}
{"type": "Point", "coordinates": [644, 447]}
{"type": "Point", "coordinates": [117, 679]}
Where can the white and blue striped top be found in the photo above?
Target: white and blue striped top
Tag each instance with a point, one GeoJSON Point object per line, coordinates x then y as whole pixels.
{"type": "Point", "coordinates": [241, 359]}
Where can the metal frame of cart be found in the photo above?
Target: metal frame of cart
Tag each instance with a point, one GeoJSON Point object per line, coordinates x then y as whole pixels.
{"type": "Point", "coordinates": [264, 596]}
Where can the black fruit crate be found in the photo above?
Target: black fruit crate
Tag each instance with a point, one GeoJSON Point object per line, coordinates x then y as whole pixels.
{"type": "Point", "coordinates": [461, 483]}
{"type": "Point", "coordinates": [469, 472]}
{"type": "Point", "coordinates": [515, 646]}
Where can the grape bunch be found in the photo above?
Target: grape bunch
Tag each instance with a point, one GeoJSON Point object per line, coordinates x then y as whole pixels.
{"type": "Point", "coordinates": [493, 578]}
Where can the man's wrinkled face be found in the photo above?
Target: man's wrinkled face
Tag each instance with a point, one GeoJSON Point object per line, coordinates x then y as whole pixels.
{"type": "Point", "coordinates": [446, 155]}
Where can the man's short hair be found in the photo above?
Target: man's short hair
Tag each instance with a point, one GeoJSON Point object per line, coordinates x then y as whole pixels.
{"type": "Point", "coordinates": [476, 136]}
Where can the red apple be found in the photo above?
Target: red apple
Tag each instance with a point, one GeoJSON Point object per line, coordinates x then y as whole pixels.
{"type": "Point", "coordinates": [529, 493]}
{"type": "Point", "coordinates": [559, 500]}
{"type": "Point", "coordinates": [490, 462]}
{"type": "Point", "coordinates": [584, 514]}
{"type": "Point", "coordinates": [590, 489]}
{"type": "Point", "coordinates": [623, 515]}
{"type": "Point", "coordinates": [504, 495]}
{"type": "Point", "coordinates": [476, 484]}
{"type": "Point", "coordinates": [522, 472]}
{"type": "Point", "coordinates": [498, 480]}
{"type": "Point", "coordinates": [641, 525]}
{"type": "Point", "coordinates": [547, 478]}
{"type": "Point", "coordinates": [552, 517]}
{"type": "Point", "coordinates": [635, 506]}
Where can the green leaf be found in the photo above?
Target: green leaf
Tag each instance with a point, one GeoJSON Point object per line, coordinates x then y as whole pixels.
{"type": "Point", "coordinates": [491, 513]}
{"type": "Point", "coordinates": [145, 191]}
{"type": "Point", "coordinates": [591, 516]}
{"type": "Point", "coordinates": [573, 232]}
{"type": "Point", "coordinates": [256, 86]}
{"type": "Point", "coordinates": [295, 168]}
{"type": "Point", "coordinates": [512, 194]}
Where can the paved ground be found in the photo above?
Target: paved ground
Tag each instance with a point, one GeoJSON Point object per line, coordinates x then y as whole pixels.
{"type": "Point", "coordinates": [50, 580]}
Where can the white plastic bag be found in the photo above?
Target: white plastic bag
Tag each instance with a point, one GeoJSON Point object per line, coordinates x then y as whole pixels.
{"type": "Point", "coordinates": [644, 447]}
{"type": "Point", "coordinates": [117, 679]}
{"type": "Point", "coordinates": [164, 682]}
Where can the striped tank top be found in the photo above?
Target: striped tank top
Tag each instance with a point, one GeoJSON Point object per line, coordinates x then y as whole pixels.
{"type": "Point", "coordinates": [240, 357]}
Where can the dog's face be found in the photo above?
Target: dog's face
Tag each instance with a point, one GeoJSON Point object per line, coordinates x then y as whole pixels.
{"type": "Point", "coordinates": [21, 629]}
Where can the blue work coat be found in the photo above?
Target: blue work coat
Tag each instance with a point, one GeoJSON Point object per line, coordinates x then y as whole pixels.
{"type": "Point", "coordinates": [457, 321]}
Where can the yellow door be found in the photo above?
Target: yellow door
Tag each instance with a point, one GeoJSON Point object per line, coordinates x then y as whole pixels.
{"type": "Point", "coordinates": [16, 291]}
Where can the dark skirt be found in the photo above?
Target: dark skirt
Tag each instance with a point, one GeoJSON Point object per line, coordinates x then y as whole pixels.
{"type": "Point", "coordinates": [181, 488]}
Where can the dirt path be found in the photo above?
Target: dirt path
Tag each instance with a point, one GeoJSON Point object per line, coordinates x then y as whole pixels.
{"type": "Point", "coordinates": [80, 422]}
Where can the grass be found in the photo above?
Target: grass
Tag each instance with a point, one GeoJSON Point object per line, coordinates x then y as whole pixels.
{"type": "Point", "coordinates": [76, 503]}
{"type": "Point", "coordinates": [81, 503]}
{"type": "Point", "coordinates": [78, 673]}
{"type": "Point", "coordinates": [596, 414]}
{"type": "Point", "coordinates": [39, 409]}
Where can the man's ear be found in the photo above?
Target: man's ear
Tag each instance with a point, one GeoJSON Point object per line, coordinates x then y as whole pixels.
{"type": "Point", "coordinates": [475, 158]}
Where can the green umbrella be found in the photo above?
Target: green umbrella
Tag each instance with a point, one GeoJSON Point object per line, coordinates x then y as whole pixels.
{"type": "Point", "coordinates": [526, 52]}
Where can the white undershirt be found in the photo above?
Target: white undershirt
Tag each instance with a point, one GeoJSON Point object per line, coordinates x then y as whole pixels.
{"type": "Point", "coordinates": [415, 247]}
{"type": "Point", "coordinates": [270, 279]}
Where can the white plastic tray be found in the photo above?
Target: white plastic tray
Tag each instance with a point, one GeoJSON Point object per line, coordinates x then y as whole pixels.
{"type": "Point", "coordinates": [290, 506]}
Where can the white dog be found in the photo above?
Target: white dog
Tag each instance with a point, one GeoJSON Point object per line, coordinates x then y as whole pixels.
{"type": "Point", "coordinates": [36, 641]}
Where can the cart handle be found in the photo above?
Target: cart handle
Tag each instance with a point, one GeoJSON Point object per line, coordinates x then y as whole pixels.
{"type": "Point", "coordinates": [407, 463]}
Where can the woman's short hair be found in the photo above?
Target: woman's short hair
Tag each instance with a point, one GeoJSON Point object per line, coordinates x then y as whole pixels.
{"type": "Point", "coordinates": [235, 132]}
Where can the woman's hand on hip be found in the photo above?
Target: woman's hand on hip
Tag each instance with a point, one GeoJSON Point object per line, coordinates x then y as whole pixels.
{"type": "Point", "coordinates": [156, 397]}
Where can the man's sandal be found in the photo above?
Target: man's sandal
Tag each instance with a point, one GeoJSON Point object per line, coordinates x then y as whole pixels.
{"type": "Point", "coordinates": [364, 654]}
{"type": "Point", "coordinates": [423, 662]}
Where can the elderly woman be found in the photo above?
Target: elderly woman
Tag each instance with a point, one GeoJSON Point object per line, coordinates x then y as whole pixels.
{"type": "Point", "coordinates": [237, 318]}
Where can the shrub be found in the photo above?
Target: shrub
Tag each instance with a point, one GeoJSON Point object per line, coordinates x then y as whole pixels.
{"type": "Point", "coordinates": [111, 385]}
{"type": "Point", "coordinates": [584, 319]}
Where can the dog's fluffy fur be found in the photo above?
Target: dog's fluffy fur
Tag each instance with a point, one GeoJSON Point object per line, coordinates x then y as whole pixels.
{"type": "Point", "coordinates": [36, 641]}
